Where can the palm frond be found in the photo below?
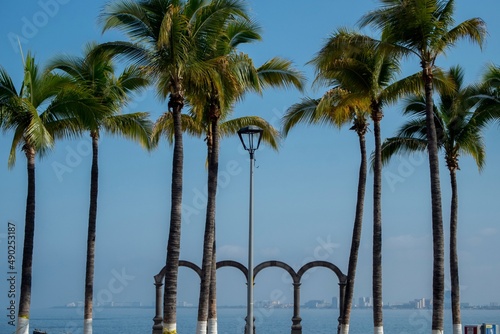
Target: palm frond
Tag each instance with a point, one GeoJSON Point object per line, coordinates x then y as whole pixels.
{"type": "Point", "coordinates": [7, 87]}
{"type": "Point", "coordinates": [36, 133]}
{"type": "Point", "coordinates": [242, 31]}
{"type": "Point", "coordinates": [128, 16]}
{"type": "Point", "coordinates": [270, 135]}
{"type": "Point", "coordinates": [302, 112]}
{"type": "Point", "coordinates": [474, 30]}
{"type": "Point", "coordinates": [401, 145]}
{"type": "Point", "coordinates": [163, 127]}
{"type": "Point", "coordinates": [279, 72]}
{"type": "Point", "coordinates": [400, 89]}
{"type": "Point", "coordinates": [17, 140]}
{"type": "Point", "coordinates": [134, 126]}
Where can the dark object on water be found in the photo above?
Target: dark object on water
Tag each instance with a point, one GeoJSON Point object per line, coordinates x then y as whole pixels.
{"type": "Point", "coordinates": [38, 331]}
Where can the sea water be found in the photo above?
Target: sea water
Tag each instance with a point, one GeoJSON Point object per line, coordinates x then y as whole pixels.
{"type": "Point", "coordinates": [231, 321]}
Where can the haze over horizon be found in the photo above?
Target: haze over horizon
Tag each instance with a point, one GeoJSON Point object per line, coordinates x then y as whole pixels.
{"type": "Point", "coordinates": [304, 194]}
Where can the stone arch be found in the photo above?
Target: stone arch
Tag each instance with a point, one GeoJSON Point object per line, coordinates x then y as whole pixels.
{"type": "Point", "coordinates": [235, 264]}
{"type": "Point", "coordinates": [342, 278]}
{"type": "Point", "coordinates": [296, 277]}
{"type": "Point", "coordinates": [278, 264]}
{"type": "Point", "coordinates": [342, 283]}
{"type": "Point", "coordinates": [191, 265]}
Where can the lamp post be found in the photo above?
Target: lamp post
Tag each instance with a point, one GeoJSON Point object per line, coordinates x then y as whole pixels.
{"type": "Point", "coordinates": [250, 137]}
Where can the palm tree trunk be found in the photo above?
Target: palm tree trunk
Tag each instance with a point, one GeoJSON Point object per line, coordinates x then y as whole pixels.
{"type": "Point", "coordinates": [377, 226]}
{"type": "Point", "coordinates": [437, 215]}
{"type": "Point", "coordinates": [174, 237]}
{"type": "Point", "coordinates": [212, 303]}
{"type": "Point", "coordinates": [91, 234]}
{"type": "Point", "coordinates": [209, 238]}
{"type": "Point", "coordinates": [356, 235]}
{"type": "Point", "coordinates": [455, 284]}
{"type": "Point", "coordinates": [29, 234]}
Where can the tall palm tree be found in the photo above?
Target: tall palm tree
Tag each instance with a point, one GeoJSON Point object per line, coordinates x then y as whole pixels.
{"type": "Point", "coordinates": [216, 112]}
{"type": "Point", "coordinates": [329, 110]}
{"type": "Point", "coordinates": [368, 76]}
{"type": "Point", "coordinates": [237, 76]}
{"type": "Point", "coordinates": [95, 73]}
{"type": "Point", "coordinates": [170, 37]}
{"type": "Point", "coordinates": [212, 104]}
{"type": "Point", "coordinates": [36, 114]}
{"type": "Point", "coordinates": [425, 29]}
{"type": "Point", "coordinates": [459, 132]}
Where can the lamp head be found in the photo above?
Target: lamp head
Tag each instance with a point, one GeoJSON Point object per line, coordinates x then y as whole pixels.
{"type": "Point", "coordinates": [250, 137]}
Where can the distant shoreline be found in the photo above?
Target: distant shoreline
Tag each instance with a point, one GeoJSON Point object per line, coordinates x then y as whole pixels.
{"type": "Point", "coordinates": [386, 307]}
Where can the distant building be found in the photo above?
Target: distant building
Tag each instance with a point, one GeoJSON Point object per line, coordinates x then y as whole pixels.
{"type": "Point", "coordinates": [365, 302]}
{"type": "Point", "coordinates": [316, 304]}
{"type": "Point", "coordinates": [75, 304]}
{"type": "Point", "coordinates": [184, 304]}
{"type": "Point", "coordinates": [418, 303]}
{"type": "Point", "coordinates": [335, 303]}
{"type": "Point", "coordinates": [447, 299]}
{"type": "Point", "coordinates": [271, 304]}
{"type": "Point", "coordinates": [125, 304]}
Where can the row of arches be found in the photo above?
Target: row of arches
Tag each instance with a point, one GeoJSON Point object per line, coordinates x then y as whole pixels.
{"type": "Point", "coordinates": [296, 277]}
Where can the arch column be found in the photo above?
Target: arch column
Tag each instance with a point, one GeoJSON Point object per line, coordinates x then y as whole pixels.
{"type": "Point", "coordinates": [342, 287]}
{"type": "Point", "coordinates": [158, 319]}
{"type": "Point", "coordinates": [296, 320]}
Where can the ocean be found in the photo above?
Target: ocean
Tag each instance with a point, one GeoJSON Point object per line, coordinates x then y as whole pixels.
{"type": "Point", "coordinates": [231, 321]}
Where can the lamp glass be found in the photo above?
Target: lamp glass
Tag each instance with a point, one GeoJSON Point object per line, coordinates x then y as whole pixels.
{"type": "Point", "coordinates": [250, 137]}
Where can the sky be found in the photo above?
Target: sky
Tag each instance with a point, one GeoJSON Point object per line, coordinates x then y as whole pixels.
{"type": "Point", "coordinates": [305, 193]}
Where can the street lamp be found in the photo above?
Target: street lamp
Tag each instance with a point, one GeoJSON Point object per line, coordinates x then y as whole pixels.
{"type": "Point", "coordinates": [250, 137]}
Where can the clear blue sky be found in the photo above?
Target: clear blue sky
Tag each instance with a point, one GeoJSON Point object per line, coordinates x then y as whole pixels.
{"type": "Point", "coordinates": [304, 194]}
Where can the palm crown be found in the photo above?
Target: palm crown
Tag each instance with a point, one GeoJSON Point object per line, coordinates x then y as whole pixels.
{"type": "Point", "coordinates": [458, 126]}
{"type": "Point", "coordinates": [95, 73]}
{"type": "Point", "coordinates": [41, 110]}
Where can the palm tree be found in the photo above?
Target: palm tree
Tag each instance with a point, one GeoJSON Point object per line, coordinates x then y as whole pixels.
{"type": "Point", "coordinates": [330, 111]}
{"type": "Point", "coordinates": [37, 114]}
{"type": "Point", "coordinates": [94, 72]}
{"type": "Point", "coordinates": [170, 38]}
{"type": "Point", "coordinates": [237, 76]}
{"type": "Point", "coordinates": [425, 28]}
{"type": "Point", "coordinates": [459, 132]}
{"type": "Point", "coordinates": [368, 76]}
{"type": "Point", "coordinates": [215, 112]}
